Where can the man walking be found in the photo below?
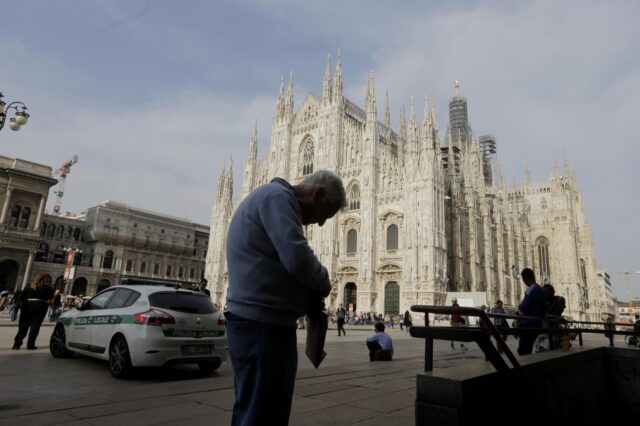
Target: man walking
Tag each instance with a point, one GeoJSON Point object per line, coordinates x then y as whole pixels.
{"type": "Point", "coordinates": [340, 315]}
{"type": "Point", "coordinates": [533, 304]}
{"type": "Point", "coordinates": [274, 278]}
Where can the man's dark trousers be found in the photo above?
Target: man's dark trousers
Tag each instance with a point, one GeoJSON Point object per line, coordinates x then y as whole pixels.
{"type": "Point", "coordinates": [527, 338]}
{"type": "Point", "coordinates": [264, 359]}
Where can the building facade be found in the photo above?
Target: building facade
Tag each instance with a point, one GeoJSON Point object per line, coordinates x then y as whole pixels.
{"type": "Point", "coordinates": [109, 242]}
{"type": "Point", "coordinates": [113, 241]}
{"type": "Point", "coordinates": [427, 213]}
{"type": "Point", "coordinates": [24, 189]}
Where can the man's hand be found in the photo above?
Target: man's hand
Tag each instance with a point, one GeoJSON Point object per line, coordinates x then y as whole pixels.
{"type": "Point", "coordinates": [325, 292]}
{"type": "Point", "coordinates": [315, 305]}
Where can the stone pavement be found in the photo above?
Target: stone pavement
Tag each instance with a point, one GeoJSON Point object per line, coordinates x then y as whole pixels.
{"type": "Point", "coordinates": [347, 389]}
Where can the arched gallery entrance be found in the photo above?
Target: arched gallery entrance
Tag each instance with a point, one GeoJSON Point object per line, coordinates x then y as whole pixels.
{"type": "Point", "coordinates": [350, 296]}
{"type": "Point", "coordinates": [8, 274]}
{"type": "Point", "coordinates": [103, 284]}
{"type": "Point", "coordinates": [392, 298]}
{"type": "Point", "coordinates": [59, 284]}
{"type": "Point", "coordinates": [79, 287]}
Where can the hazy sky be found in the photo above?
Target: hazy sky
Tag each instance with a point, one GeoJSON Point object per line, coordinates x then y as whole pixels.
{"type": "Point", "coordinates": [155, 95]}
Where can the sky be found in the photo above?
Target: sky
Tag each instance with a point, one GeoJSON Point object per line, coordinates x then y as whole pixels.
{"type": "Point", "coordinates": [154, 96]}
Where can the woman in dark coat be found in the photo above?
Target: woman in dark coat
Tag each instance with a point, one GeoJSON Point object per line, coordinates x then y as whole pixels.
{"type": "Point", "coordinates": [407, 320]}
{"type": "Point", "coordinates": [34, 308]}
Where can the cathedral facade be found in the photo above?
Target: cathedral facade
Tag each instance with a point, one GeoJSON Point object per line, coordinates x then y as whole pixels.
{"type": "Point", "coordinates": [427, 212]}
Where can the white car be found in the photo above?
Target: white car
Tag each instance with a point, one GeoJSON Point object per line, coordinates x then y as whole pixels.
{"type": "Point", "coordinates": [144, 325]}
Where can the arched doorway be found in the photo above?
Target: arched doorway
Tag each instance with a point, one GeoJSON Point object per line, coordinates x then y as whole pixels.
{"type": "Point", "coordinates": [103, 284]}
{"type": "Point", "coordinates": [59, 283]}
{"type": "Point", "coordinates": [392, 298]}
{"type": "Point", "coordinates": [79, 287]}
{"type": "Point", "coordinates": [350, 295]}
{"type": "Point", "coordinates": [8, 274]}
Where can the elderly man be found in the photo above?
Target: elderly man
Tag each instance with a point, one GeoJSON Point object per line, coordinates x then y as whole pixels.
{"type": "Point", "coordinates": [274, 278]}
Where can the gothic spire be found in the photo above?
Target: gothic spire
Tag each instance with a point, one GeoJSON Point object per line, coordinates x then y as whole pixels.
{"type": "Point", "coordinates": [387, 117]}
{"type": "Point", "coordinates": [280, 102]}
{"type": "Point", "coordinates": [337, 82]}
{"type": "Point", "coordinates": [403, 124]}
{"type": "Point", "coordinates": [371, 110]}
{"type": "Point", "coordinates": [253, 146]}
{"type": "Point", "coordinates": [289, 105]}
{"type": "Point", "coordinates": [426, 121]}
{"type": "Point", "coordinates": [221, 183]}
{"type": "Point", "coordinates": [527, 172]}
{"type": "Point", "coordinates": [229, 180]}
{"type": "Point", "coordinates": [403, 135]}
{"type": "Point", "coordinates": [413, 128]}
{"type": "Point", "coordinates": [556, 171]}
{"type": "Point", "coordinates": [566, 162]}
{"type": "Point", "coordinates": [326, 85]}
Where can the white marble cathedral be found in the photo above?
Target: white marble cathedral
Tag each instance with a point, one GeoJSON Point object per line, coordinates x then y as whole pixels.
{"type": "Point", "coordinates": [426, 215]}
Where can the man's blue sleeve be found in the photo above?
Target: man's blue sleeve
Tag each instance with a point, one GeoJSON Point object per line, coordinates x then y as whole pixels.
{"type": "Point", "coordinates": [280, 216]}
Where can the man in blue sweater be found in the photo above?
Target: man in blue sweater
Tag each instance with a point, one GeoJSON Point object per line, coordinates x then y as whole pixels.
{"type": "Point", "coordinates": [274, 278]}
{"type": "Point", "coordinates": [533, 304]}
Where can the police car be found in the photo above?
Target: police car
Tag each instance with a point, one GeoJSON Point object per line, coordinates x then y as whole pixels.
{"type": "Point", "coordinates": [144, 325]}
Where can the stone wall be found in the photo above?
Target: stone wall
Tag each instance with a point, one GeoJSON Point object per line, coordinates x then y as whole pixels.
{"type": "Point", "coordinates": [587, 386]}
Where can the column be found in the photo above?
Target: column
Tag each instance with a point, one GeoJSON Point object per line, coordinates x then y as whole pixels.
{"type": "Point", "coordinates": [5, 207]}
{"type": "Point", "coordinates": [43, 202]}
{"type": "Point", "coordinates": [27, 271]}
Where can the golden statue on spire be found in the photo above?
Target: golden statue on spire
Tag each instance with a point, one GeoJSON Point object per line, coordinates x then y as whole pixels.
{"type": "Point", "coordinates": [456, 85]}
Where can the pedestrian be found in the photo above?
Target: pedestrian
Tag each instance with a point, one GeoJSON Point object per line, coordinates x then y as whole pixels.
{"type": "Point", "coordinates": [457, 320]}
{"type": "Point", "coordinates": [380, 344]}
{"type": "Point", "coordinates": [533, 304]}
{"type": "Point", "coordinates": [274, 278]}
{"type": "Point", "coordinates": [4, 300]}
{"type": "Point", "coordinates": [202, 287]}
{"type": "Point", "coordinates": [407, 320]}
{"type": "Point", "coordinates": [34, 308]}
{"type": "Point", "coordinates": [15, 305]}
{"type": "Point", "coordinates": [340, 315]}
{"type": "Point", "coordinates": [499, 322]}
{"type": "Point", "coordinates": [55, 306]}
{"type": "Point", "coordinates": [555, 307]}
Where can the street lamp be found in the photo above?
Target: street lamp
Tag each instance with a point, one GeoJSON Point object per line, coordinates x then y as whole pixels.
{"type": "Point", "coordinates": [20, 116]}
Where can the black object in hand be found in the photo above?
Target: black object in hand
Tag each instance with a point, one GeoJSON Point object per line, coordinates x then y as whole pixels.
{"type": "Point", "coordinates": [315, 305]}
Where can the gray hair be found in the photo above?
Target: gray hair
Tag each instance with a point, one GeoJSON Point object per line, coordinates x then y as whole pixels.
{"type": "Point", "coordinates": [331, 183]}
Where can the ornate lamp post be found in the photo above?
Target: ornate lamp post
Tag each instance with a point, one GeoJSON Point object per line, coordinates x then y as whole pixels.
{"type": "Point", "coordinates": [20, 116]}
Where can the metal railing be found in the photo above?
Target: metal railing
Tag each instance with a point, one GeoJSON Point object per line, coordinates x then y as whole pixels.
{"type": "Point", "coordinates": [482, 335]}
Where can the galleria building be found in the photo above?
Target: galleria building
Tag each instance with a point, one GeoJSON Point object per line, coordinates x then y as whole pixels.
{"type": "Point", "coordinates": [427, 213]}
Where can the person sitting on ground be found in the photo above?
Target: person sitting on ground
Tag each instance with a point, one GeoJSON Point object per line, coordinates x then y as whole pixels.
{"type": "Point", "coordinates": [380, 345]}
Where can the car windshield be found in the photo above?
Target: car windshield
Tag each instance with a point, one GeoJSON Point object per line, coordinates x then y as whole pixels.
{"type": "Point", "coordinates": [192, 303]}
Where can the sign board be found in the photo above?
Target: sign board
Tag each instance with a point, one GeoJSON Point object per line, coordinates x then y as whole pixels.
{"type": "Point", "coordinates": [70, 255]}
{"type": "Point", "coordinates": [69, 270]}
{"type": "Point", "coordinates": [468, 299]}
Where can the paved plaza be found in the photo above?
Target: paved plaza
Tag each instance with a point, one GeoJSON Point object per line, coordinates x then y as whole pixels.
{"type": "Point", "coordinates": [347, 389]}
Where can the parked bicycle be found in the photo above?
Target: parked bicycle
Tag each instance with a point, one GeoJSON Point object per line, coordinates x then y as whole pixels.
{"type": "Point", "coordinates": [632, 340]}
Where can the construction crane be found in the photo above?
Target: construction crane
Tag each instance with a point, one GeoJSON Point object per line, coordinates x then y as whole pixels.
{"type": "Point", "coordinates": [62, 171]}
{"type": "Point", "coordinates": [627, 275]}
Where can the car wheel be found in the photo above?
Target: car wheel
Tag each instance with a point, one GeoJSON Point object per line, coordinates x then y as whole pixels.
{"type": "Point", "coordinates": [58, 343]}
{"type": "Point", "coordinates": [119, 358]}
{"type": "Point", "coordinates": [209, 367]}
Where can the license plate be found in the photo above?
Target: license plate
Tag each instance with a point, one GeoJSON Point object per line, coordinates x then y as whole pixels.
{"type": "Point", "coordinates": [196, 349]}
